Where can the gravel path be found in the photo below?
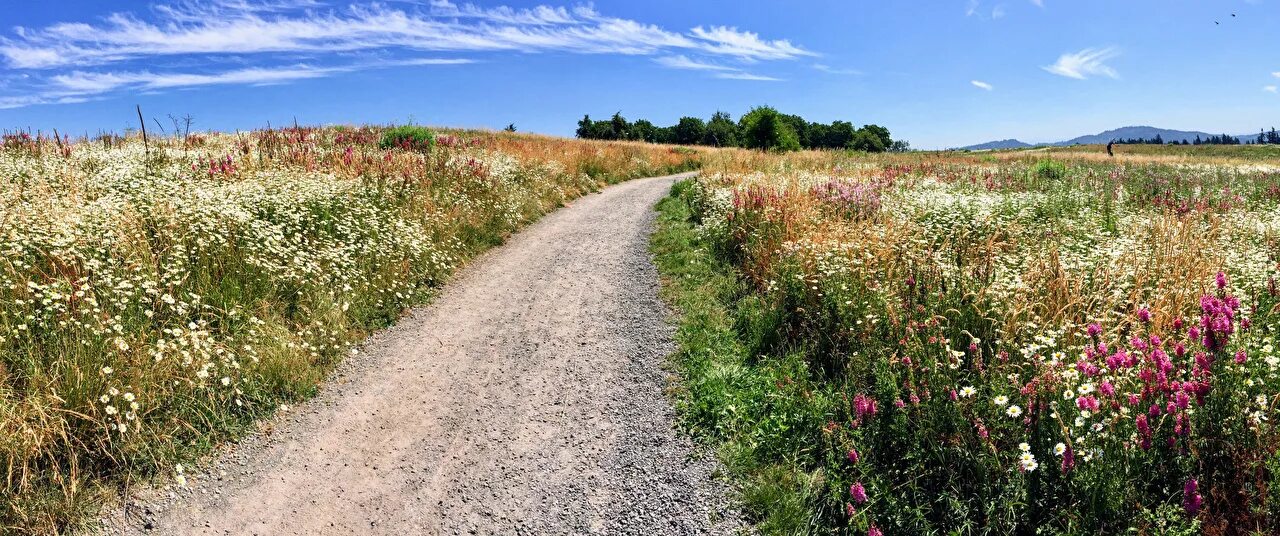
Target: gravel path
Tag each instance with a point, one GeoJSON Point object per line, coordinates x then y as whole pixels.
{"type": "Point", "coordinates": [528, 398]}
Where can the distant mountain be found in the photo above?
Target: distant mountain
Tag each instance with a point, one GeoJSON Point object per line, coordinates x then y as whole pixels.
{"type": "Point", "coordinates": [1122, 133]}
{"type": "Point", "coordinates": [1002, 144]}
{"type": "Point", "coordinates": [1144, 133]}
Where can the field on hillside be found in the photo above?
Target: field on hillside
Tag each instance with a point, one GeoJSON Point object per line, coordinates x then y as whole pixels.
{"type": "Point", "coordinates": [1051, 342]}
{"type": "Point", "coordinates": [157, 297]}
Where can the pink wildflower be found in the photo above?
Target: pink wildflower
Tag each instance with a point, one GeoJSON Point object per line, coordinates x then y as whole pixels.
{"type": "Point", "coordinates": [858, 492]}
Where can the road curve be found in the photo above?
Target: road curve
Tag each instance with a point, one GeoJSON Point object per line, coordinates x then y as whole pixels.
{"type": "Point", "coordinates": [528, 398]}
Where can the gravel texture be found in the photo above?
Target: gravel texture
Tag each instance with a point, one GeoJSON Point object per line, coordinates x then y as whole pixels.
{"type": "Point", "coordinates": [528, 398]}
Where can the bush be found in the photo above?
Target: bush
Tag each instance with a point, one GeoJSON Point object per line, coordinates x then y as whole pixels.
{"type": "Point", "coordinates": [408, 137]}
{"type": "Point", "coordinates": [1049, 170]}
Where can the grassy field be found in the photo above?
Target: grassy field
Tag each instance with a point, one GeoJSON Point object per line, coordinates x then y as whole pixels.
{"type": "Point", "coordinates": [1034, 341]}
{"type": "Point", "coordinates": [156, 298]}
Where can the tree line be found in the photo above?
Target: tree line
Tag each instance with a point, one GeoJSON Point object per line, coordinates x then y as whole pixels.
{"type": "Point", "coordinates": [1264, 137]}
{"type": "Point", "coordinates": [761, 128]}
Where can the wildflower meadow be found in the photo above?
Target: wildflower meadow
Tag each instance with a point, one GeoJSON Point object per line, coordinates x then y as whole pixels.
{"type": "Point", "coordinates": [1022, 342]}
{"type": "Point", "coordinates": [157, 295]}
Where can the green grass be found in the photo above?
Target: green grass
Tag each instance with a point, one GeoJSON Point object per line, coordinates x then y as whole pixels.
{"type": "Point", "coordinates": [745, 408]}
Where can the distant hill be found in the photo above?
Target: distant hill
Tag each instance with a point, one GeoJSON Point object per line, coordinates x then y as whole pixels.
{"type": "Point", "coordinates": [1144, 133]}
{"type": "Point", "coordinates": [1002, 144]}
{"type": "Point", "coordinates": [1123, 133]}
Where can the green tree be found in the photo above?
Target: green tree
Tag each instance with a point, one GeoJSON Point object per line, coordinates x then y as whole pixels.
{"type": "Point", "coordinates": [839, 134]}
{"type": "Point", "coordinates": [643, 130]}
{"type": "Point", "coordinates": [690, 130]}
{"type": "Point", "coordinates": [881, 133]}
{"type": "Point", "coordinates": [721, 131]}
{"type": "Point", "coordinates": [867, 141]}
{"type": "Point", "coordinates": [584, 127]}
{"type": "Point", "coordinates": [764, 128]}
{"type": "Point", "coordinates": [619, 127]}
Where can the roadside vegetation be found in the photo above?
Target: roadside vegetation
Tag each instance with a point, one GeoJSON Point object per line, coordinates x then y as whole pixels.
{"type": "Point", "coordinates": [156, 297]}
{"type": "Point", "coordinates": [1009, 342]}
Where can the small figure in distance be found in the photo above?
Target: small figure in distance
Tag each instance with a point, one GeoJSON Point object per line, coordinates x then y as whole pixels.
{"type": "Point", "coordinates": [1109, 144]}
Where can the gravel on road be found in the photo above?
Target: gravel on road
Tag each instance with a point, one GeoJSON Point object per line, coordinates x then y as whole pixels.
{"type": "Point", "coordinates": [527, 398]}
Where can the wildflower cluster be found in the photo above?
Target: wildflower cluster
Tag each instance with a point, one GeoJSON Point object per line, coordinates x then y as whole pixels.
{"type": "Point", "coordinates": [153, 298]}
{"type": "Point", "coordinates": [988, 345]}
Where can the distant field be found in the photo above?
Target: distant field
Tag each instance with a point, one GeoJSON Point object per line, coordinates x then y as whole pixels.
{"type": "Point", "coordinates": [1040, 341]}
{"type": "Point", "coordinates": [155, 299]}
{"type": "Point", "coordinates": [1216, 153]}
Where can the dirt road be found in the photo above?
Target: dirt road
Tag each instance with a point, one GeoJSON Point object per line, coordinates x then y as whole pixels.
{"type": "Point", "coordinates": [526, 399]}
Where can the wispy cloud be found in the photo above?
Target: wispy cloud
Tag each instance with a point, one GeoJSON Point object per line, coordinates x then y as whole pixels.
{"type": "Point", "coordinates": [80, 86]}
{"type": "Point", "coordinates": [78, 82]}
{"type": "Point", "coordinates": [998, 12]}
{"type": "Point", "coordinates": [123, 50]}
{"type": "Point", "coordinates": [747, 76]}
{"type": "Point", "coordinates": [832, 70]}
{"type": "Point", "coordinates": [1038, 3]}
{"type": "Point", "coordinates": [981, 85]}
{"type": "Point", "coordinates": [728, 41]}
{"type": "Point", "coordinates": [1276, 74]}
{"type": "Point", "coordinates": [1086, 63]}
{"type": "Point", "coordinates": [239, 29]}
{"type": "Point", "coordinates": [683, 62]}
{"type": "Point", "coordinates": [1269, 89]}
{"type": "Point", "coordinates": [720, 71]}
{"type": "Point", "coordinates": [971, 9]}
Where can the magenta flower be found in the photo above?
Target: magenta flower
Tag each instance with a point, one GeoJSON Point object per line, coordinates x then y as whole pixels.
{"type": "Point", "coordinates": [1087, 403]}
{"type": "Point", "coordinates": [858, 493]}
{"type": "Point", "coordinates": [1106, 388]}
{"type": "Point", "coordinates": [1144, 315]}
{"type": "Point", "coordinates": [1183, 400]}
{"type": "Point", "coordinates": [1221, 280]}
{"type": "Point", "coordinates": [874, 531]}
{"type": "Point", "coordinates": [1068, 459]}
{"type": "Point", "coordinates": [1191, 499]}
{"type": "Point", "coordinates": [1094, 330]}
{"type": "Point", "coordinates": [853, 456]}
{"type": "Point", "coordinates": [1241, 357]}
{"type": "Point", "coordinates": [864, 406]}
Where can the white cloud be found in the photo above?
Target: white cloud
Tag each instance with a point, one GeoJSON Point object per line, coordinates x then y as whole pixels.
{"type": "Point", "coordinates": [1038, 3]}
{"type": "Point", "coordinates": [683, 62]}
{"type": "Point", "coordinates": [981, 85]}
{"type": "Point", "coordinates": [721, 71]}
{"type": "Point", "coordinates": [540, 15]}
{"type": "Point", "coordinates": [971, 9]}
{"type": "Point", "coordinates": [998, 12]}
{"type": "Point", "coordinates": [268, 38]}
{"type": "Point", "coordinates": [1276, 74]}
{"type": "Point", "coordinates": [236, 28]}
{"type": "Point", "coordinates": [78, 82]}
{"type": "Point", "coordinates": [746, 45]}
{"type": "Point", "coordinates": [1269, 89]}
{"type": "Point", "coordinates": [747, 76]}
{"type": "Point", "coordinates": [829, 69]}
{"type": "Point", "coordinates": [1086, 63]}
{"type": "Point", "coordinates": [78, 86]}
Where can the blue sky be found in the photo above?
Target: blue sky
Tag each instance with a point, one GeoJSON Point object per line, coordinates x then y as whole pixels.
{"type": "Point", "coordinates": [938, 73]}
